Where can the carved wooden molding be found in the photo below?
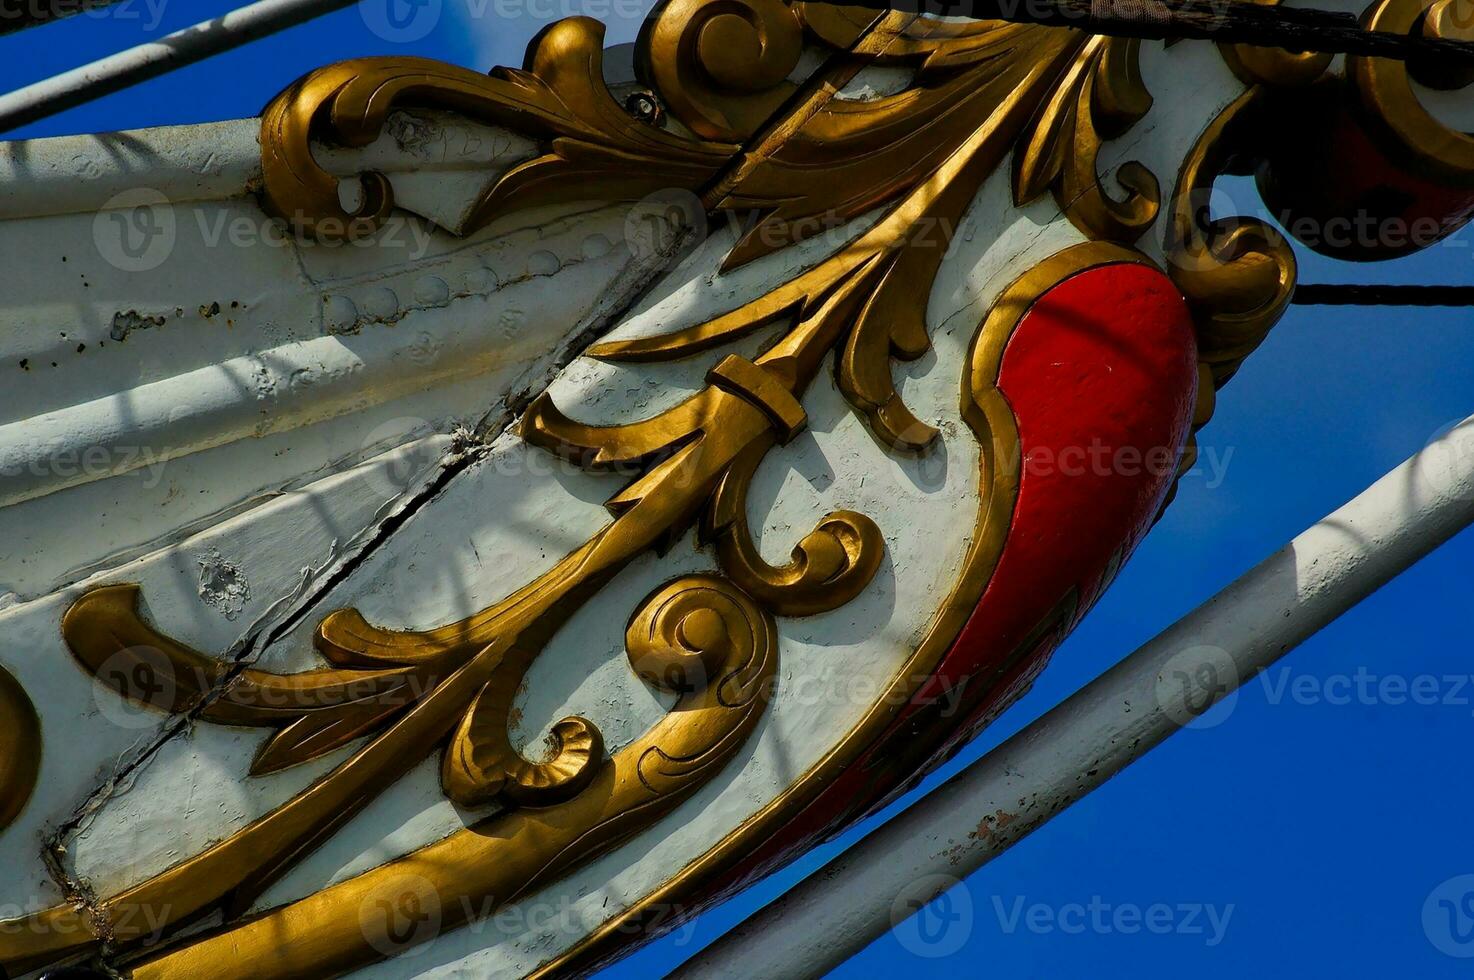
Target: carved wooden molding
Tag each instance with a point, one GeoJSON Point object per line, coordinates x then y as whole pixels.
{"type": "Point", "coordinates": [745, 138]}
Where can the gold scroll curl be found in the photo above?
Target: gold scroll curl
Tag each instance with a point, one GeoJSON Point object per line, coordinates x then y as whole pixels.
{"type": "Point", "coordinates": [1237, 273]}
{"type": "Point", "coordinates": [1394, 111]}
{"type": "Point", "coordinates": [721, 66]}
{"type": "Point", "coordinates": [1101, 95]}
{"type": "Point", "coordinates": [829, 567]}
{"type": "Point", "coordinates": [20, 748]}
{"type": "Point", "coordinates": [701, 618]}
{"type": "Point", "coordinates": [559, 97]}
{"type": "Point", "coordinates": [481, 766]}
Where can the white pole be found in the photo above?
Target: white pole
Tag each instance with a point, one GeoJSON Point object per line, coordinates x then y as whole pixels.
{"type": "Point", "coordinates": [1108, 724]}
{"type": "Point", "coordinates": [139, 64]}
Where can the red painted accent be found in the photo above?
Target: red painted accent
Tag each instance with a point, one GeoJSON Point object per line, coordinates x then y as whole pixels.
{"type": "Point", "coordinates": [1101, 374]}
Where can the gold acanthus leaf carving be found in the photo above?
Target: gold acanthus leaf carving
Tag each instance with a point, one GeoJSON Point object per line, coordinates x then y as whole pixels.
{"type": "Point", "coordinates": [594, 148]}
{"type": "Point", "coordinates": [697, 620]}
{"type": "Point", "coordinates": [871, 296]}
{"type": "Point", "coordinates": [847, 157]}
{"type": "Point", "coordinates": [1100, 96]}
{"type": "Point", "coordinates": [919, 155]}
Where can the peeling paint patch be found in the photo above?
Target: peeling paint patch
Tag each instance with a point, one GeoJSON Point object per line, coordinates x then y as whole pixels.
{"type": "Point", "coordinates": [222, 585]}
{"type": "Point", "coordinates": [413, 134]}
{"type": "Point", "coordinates": [127, 321]}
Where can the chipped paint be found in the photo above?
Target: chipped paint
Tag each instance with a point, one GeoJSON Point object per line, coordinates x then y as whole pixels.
{"type": "Point", "coordinates": [222, 585]}
{"type": "Point", "coordinates": [127, 321]}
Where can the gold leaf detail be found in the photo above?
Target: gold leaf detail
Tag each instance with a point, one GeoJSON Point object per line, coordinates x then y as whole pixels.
{"type": "Point", "coordinates": [699, 632]}
{"type": "Point", "coordinates": [481, 869]}
{"type": "Point", "coordinates": [317, 711]}
{"type": "Point", "coordinates": [721, 66]}
{"type": "Point", "coordinates": [1238, 273]}
{"type": "Point", "coordinates": [831, 566]}
{"type": "Point", "coordinates": [481, 765]}
{"type": "Point", "coordinates": [592, 143]}
{"type": "Point", "coordinates": [1100, 95]}
{"type": "Point", "coordinates": [20, 748]}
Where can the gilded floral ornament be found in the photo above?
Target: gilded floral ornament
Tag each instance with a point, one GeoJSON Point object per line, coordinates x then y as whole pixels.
{"type": "Point", "coordinates": [919, 156]}
{"type": "Point", "coordinates": [792, 157]}
{"type": "Point", "coordinates": [593, 145]}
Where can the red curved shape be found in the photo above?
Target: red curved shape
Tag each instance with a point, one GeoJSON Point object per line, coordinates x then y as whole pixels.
{"type": "Point", "coordinates": [1101, 374]}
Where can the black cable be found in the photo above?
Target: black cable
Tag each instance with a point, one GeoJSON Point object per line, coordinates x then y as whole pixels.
{"type": "Point", "coordinates": [1292, 28]}
{"type": "Point", "coordinates": [1351, 294]}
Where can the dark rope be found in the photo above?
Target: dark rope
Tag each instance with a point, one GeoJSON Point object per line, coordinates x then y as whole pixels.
{"type": "Point", "coordinates": [1228, 21]}
{"type": "Point", "coordinates": [1351, 294]}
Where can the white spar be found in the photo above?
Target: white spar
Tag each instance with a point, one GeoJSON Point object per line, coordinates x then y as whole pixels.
{"type": "Point", "coordinates": [139, 64]}
{"type": "Point", "coordinates": [1109, 723]}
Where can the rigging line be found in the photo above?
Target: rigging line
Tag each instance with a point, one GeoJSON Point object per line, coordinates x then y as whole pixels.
{"type": "Point", "coordinates": [1292, 28]}
{"type": "Point", "coordinates": [1223, 21]}
{"type": "Point", "coordinates": [1357, 294]}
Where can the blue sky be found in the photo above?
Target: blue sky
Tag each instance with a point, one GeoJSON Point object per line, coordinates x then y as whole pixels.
{"type": "Point", "coordinates": [1313, 833]}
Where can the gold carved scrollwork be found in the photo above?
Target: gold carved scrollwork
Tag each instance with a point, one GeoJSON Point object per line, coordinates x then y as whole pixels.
{"type": "Point", "coordinates": [699, 619]}
{"type": "Point", "coordinates": [20, 748]}
{"type": "Point", "coordinates": [796, 158]}
{"type": "Point", "coordinates": [935, 146]}
{"type": "Point", "coordinates": [1237, 273]}
{"type": "Point", "coordinates": [1392, 107]}
{"type": "Point", "coordinates": [1101, 95]}
{"type": "Point", "coordinates": [465, 678]}
{"type": "Point", "coordinates": [592, 144]}
{"type": "Point", "coordinates": [830, 566]}
{"type": "Point", "coordinates": [481, 765]}
{"type": "Point", "coordinates": [722, 66]}
{"type": "Point", "coordinates": [315, 712]}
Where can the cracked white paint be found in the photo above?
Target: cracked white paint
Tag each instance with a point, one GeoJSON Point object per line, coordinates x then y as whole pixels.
{"type": "Point", "coordinates": [157, 399]}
